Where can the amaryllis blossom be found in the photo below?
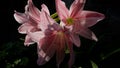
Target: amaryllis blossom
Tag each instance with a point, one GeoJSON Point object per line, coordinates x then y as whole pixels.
{"type": "Point", "coordinates": [78, 20]}
{"type": "Point", "coordinates": [51, 39]}
{"type": "Point", "coordinates": [29, 20]}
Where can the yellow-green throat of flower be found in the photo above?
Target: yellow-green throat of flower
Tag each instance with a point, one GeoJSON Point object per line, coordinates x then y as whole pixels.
{"type": "Point", "coordinates": [70, 21]}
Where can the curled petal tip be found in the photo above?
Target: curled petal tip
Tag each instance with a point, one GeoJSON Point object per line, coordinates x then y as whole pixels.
{"type": "Point", "coordinates": [94, 38]}
{"type": "Point", "coordinates": [15, 11]}
{"type": "Point", "coordinates": [102, 16]}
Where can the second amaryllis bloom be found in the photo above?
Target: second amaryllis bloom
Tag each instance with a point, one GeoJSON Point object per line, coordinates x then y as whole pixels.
{"type": "Point", "coordinates": [78, 20]}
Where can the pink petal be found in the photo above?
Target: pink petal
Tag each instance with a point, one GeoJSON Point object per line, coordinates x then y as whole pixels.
{"type": "Point", "coordinates": [87, 33]}
{"type": "Point", "coordinates": [43, 25]}
{"type": "Point", "coordinates": [26, 9]}
{"type": "Point", "coordinates": [46, 51]}
{"type": "Point", "coordinates": [61, 9]}
{"type": "Point", "coordinates": [33, 11]}
{"type": "Point", "coordinates": [76, 8]}
{"type": "Point", "coordinates": [60, 42]}
{"type": "Point", "coordinates": [60, 54]}
{"type": "Point", "coordinates": [76, 26]}
{"type": "Point", "coordinates": [72, 55]}
{"type": "Point", "coordinates": [46, 20]}
{"type": "Point", "coordinates": [36, 36]}
{"type": "Point", "coordinates": [94, 37]}
{"type": "Point", "coordinates": [28, 41]}
{"type": "Point", "coordinates": [25, 27]}
{"type": "Point", "coordinates": [20, 17]}
{"type": "Point", "coordinates": [45, 8]}
{"type": "Point", "coordinates": [42, 59]}
{"type": "Point", "coordinates": [83, 31]}
{"type": "Point", "coordinates": [90, 18]}
{"type": "Point", "coordinates": [75, 39]}
{"type": "Point", "coordinates": [33, 22]}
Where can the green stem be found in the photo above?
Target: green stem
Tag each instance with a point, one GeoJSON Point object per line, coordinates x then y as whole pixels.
{"type": "Point", "coordinates": [54, 15]}
{"type": "Point", "coordinates": [57, 19]}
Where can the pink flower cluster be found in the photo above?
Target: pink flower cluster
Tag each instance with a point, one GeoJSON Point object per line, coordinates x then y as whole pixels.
{"type": "Point", "coordinates": [51, 37]}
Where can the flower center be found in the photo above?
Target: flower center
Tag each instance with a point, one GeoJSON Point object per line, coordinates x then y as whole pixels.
{"type": "Point", "coordinates": [70, 21]}
{"type": "Point", "coordinates": [60, 33]}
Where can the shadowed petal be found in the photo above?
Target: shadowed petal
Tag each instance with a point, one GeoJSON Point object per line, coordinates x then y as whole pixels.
{"type": "Point", "coordinates": [42, 59]}
{"type": "Point", "coordinates": [90, 18]}
{"type": "Point", "coordinates": [75, 39]}
{"type": "Point", "coordinates": [85, 32]}
{"type": "Point", "coordinates": [46, 51]}
{"type": "Point", "coordinates": [20, 17]}
{"type": "Point", "coordinates": [72, 55]}
{"type": "Point", "coordinates": [76, 8]}
{"type": "Point", "coordinates": [60, 54]}
{"type": "Point", "coordinates": [45, 56]}
{"type": "Point", "coordinates": [60, 48]}
{"type": "Point", "coordinates": [61, 9]}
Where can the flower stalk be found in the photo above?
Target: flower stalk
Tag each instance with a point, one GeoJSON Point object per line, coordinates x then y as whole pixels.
{"type": "Point", "coordinates": [54, 15]}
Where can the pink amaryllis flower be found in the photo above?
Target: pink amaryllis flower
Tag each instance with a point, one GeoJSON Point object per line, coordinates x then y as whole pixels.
{"type": "Point", "coordinates": [78, 20]}
{"type": "Point", "coordinates": [51, 39]}
{"type": "Point", "coordinates": [29, 20]}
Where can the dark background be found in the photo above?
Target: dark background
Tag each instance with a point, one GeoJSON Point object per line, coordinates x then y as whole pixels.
{"type": "Point", "coordinates": [107, 30]}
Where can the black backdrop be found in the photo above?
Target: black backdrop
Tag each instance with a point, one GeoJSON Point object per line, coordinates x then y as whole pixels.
{"type": "Point", "coordinates": [110, 26]}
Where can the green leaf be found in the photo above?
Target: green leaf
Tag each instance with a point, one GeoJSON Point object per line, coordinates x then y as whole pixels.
{"type": "Point", "coordinates": [17, 61]}
{"type": "Point", "coordinates": [79, 67]}
{"type": "Point", "coordinates": [24, 61]}
{"type": "Point", "coordinates": [9, 65]}
{"type": "Point", "coordinates": [67, 51]}
{"type": "Point", "coordinates": [94, 65]}
{"type": "Point", "coordinates": [109, 54]}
